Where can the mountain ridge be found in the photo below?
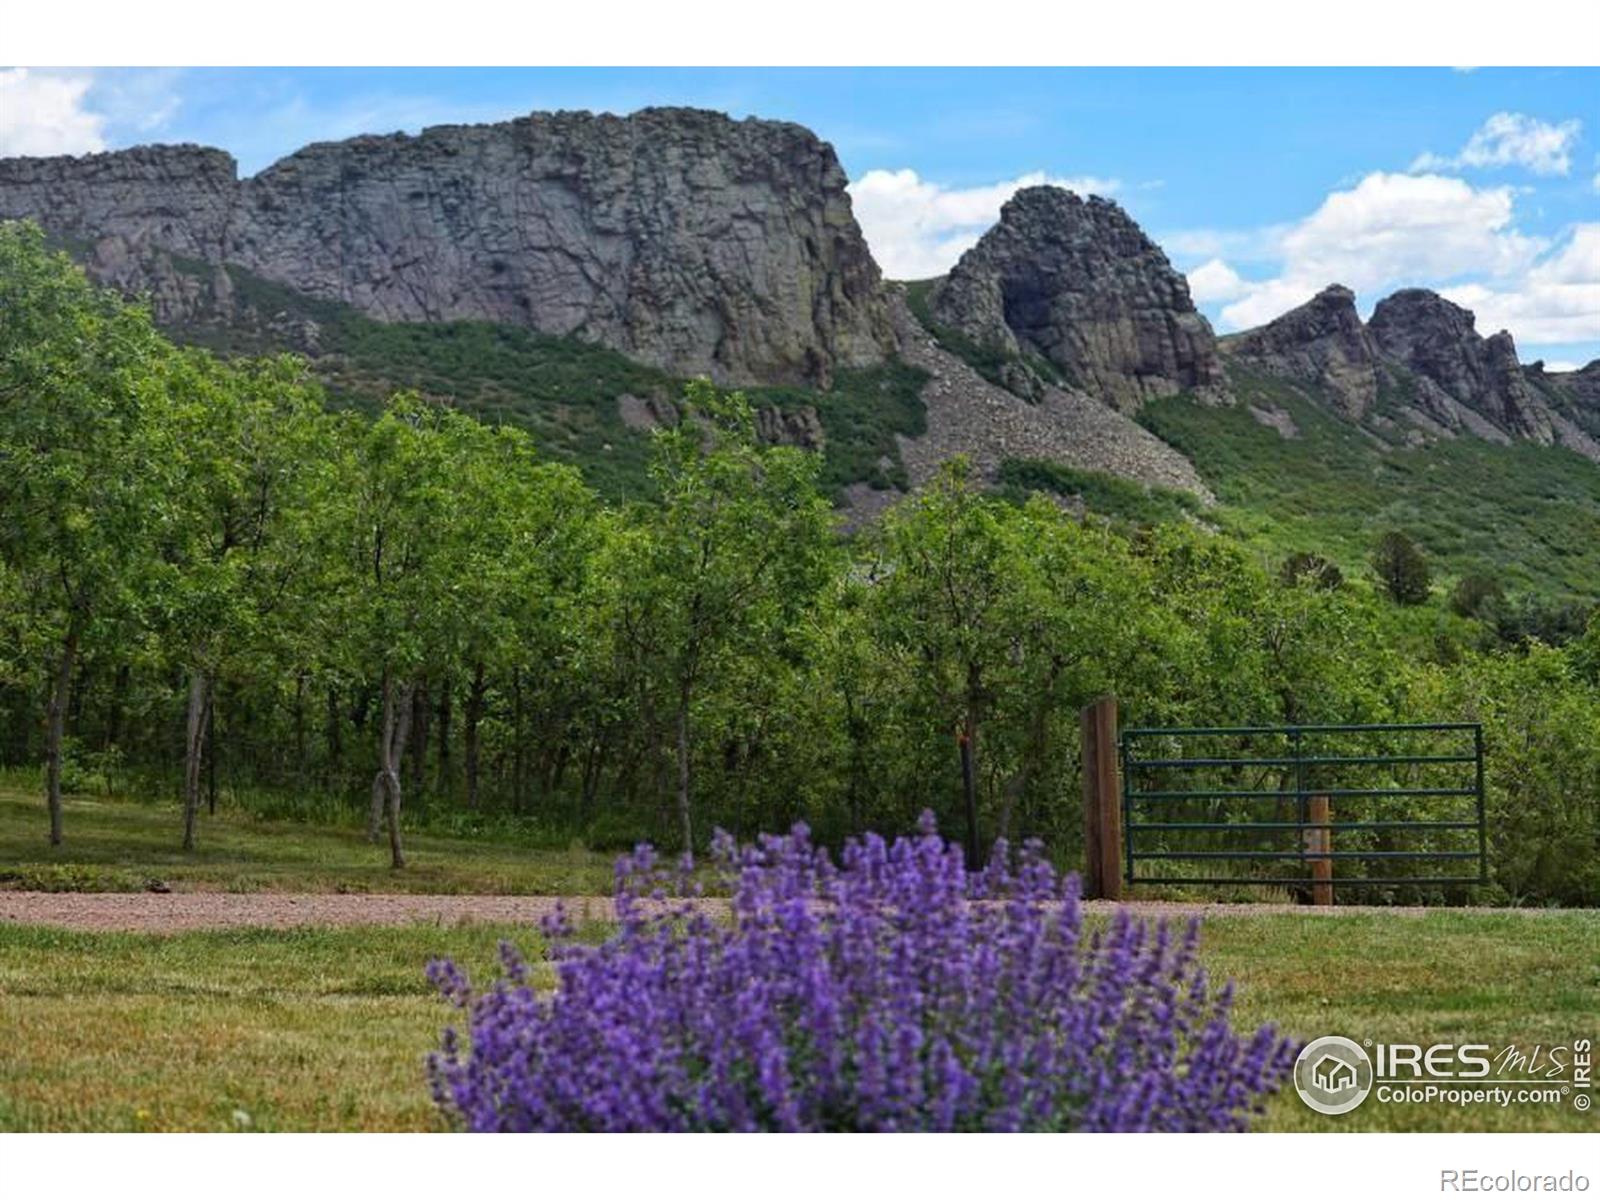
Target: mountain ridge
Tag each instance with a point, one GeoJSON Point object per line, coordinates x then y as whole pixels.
{"type": "Point", "coordinates": [690, 241]}
{"type": "Point", "coordinates": [682, 242]}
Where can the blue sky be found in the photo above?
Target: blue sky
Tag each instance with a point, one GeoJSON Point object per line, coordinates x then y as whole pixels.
{"type": "Point", "coordinates": [1263, 185]}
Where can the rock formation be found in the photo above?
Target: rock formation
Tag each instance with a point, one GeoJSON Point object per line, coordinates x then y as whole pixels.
{"type": "Point", "coordinates": [1437, 342]}
{"type": "Point", "coordinates": [1322, 341]}
{"type": "Point", "coordinates": [685, 239]}
{"type": "Point", "coordinates": [1422, 357]}
{"type": "Point", "coordinates": [1077, 283]}
{"type": "Point", "coordinates": [1580, 389]}
{"type": "Point", "coordinates": [968, 415]}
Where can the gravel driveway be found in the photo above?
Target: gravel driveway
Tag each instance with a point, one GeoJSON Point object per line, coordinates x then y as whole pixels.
{"type": "Point", "coordinates": [146, 912]}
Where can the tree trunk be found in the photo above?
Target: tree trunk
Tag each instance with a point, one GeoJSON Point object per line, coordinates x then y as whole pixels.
{"type": "Point", "coordinates": [211, 752]}
{"type": "Point", "coordinates": [593, 766]}
{"type": "Point", "coordinates": [118, 706]}
{"type": "Point", "coordinates": [442, 724]}
{"type": "Point", "coordinates": [1033, 753]}
{"type": "Point", "coordinates": [418, 739]}
{"type": "Point", "coordinates": [397, 741]}
{"type": "Point", "coordinates": [558, 773]}
{"type": "Point", "coordinates": [393, 727]}
{"type": "Point", "coordinates": [969, 783]}
{"type": "Point", "coordinates": [332, 735]}
{"type": "Point", "coordinates": [683, 768]}
{"type": "Point", "coordinates": [375, 810]}
{"type": "Point", "coordinates": [380, 782]}
{"type": "Point", "coordinates": [194, 742]}
{"type": "Point", "coordinates": [300, 730]}
{"type": "Point", "coordinates": [55, 729]}
{"type": "Point", "coordinates": [474, 717]}
{"type": "Point", "coordinates": [519, 754]}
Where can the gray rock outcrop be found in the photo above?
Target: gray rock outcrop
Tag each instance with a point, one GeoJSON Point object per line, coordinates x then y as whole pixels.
{"type": "Point", "coordinates": [683, 238]}
{"type": "Point", "coordinates": [1077, 283]}
{"type": "Point", "coordinates": [1580, 389]}
{"type": "Point", "coordinates": [1323, 341]}
{"type": "Point", "coordinates": [1438, 343]}
{"type": "Point", "coordinates": [968, 415]}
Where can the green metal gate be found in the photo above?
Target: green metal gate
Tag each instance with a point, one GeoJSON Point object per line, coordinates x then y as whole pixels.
{"type": "Point", "coordinates": [1399, 789]}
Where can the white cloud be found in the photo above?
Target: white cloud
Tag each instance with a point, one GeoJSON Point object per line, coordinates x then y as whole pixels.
{"type": "Point", "coordinates": [43, 113]}
{"type": "Point", "coordinates": [917, 228]}
{"type": "Point", "coordinates": [1387, 231]}
{"type": "Point", "coordinates": [1559, 365]}
{"type": "Point", "coordinates": [1596, 181]}
{"type": "Point", "coordinates": [1214, 280]}
{"type": "Point", "coordinates": [1513, 139]}
{"type": "Point", "coordinates": [1556, 302]}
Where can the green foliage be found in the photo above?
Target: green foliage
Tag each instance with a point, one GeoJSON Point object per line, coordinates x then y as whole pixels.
{"type": "Point", "coordinates": [1529, 513]}
{"type": "Point", "coordinates": [562, 390]}
{"type": "Point", "coordinates": [700, 591]}
{"type": "Point", "coordinates": [422, 599]}
{"type": "Point", "coordinates": [862, 414]}
{"type": "Point", "coordinates": [1542, 754]}
{"type": "Point", "coordinates": [1103, 494]}
{"type": "Point", "coordinates": [1476, 595]}
{"type": "Point", "coordinates": [1306, 565]}
{"type": "Point", "coordinates": [1401, 568]}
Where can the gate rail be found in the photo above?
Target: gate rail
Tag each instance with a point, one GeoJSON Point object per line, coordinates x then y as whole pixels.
{"type": "Point", "coordinates": [1310, 782]}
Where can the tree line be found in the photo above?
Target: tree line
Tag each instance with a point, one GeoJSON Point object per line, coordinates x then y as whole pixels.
{"type": "Point", "coordinates": [201, 563]}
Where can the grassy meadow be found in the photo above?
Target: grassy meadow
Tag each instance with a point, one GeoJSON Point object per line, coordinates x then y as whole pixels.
{"type": "Point", "coordinates": [323, 1029]}
{"type": "Point", "coordinates": [121, 846]}
{"type": "Point", "coordinates": [327, 1028]}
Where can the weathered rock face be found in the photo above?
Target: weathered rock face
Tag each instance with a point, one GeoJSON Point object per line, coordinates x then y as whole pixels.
{"type": "Point", "coordinates": [682, 238]}
{"type": "Point", "coordinates": [1581, 387]}
{"type": "Point", "coordinates": [968, 415]}
{"type": "Point", "coordinates": [1437, 341]}
{"type": "Point", "coordinates": [177, 198]}
{"type": "Point", "coordinates": [1078, 283]}
{"type": "Point", "coordinates": [1575, 402]}
{"type": "Point", "coordinates": [1322, 341]}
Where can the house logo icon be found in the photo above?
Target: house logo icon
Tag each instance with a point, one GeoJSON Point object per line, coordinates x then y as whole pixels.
{"type": "Point", "coordinates": [1333, 1075]}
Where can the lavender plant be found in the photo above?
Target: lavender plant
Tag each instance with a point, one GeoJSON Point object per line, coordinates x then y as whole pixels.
{"type": "Point", "coordinates": [893, 990]}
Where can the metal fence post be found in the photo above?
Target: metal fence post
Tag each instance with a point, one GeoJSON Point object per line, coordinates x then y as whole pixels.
{"type": "Point", "coordinates": [1102, 802]}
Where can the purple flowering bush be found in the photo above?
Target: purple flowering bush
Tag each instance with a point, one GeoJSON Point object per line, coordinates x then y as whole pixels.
{"type": "Point", "coordinates": [893, 990]}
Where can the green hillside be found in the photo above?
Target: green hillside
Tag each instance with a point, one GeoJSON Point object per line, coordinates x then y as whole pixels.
{"type": "Point", "coordinates": [1527, 515]}
{"type": "Point", "coordinates": [561, 389]}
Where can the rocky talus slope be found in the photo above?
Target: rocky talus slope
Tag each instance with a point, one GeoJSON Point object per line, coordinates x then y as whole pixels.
{"type": "Point", "coordinates": [968, 415]}
{"type": "Point", "coordinates": [685, 239]}
{"type": "Point", "coordinates": [1077, 283]}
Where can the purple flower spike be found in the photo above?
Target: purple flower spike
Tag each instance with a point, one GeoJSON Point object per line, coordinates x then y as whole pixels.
{"type": "Point", "coordinates": [890, 991]}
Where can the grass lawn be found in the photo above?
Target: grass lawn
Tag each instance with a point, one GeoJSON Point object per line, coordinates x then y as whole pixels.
{"type": "Point", "coordinates": [327, 1029]}
{"type": "Point", "coordinates": [114, 846]}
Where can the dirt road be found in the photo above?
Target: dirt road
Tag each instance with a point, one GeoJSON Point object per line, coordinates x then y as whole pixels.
{"type": "Point", "coordinates": [146, 912]}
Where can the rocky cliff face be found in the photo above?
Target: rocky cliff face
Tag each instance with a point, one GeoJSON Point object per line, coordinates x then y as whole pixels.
{"type": "Point", "coordinates": [1078, 284]}
{"type": "Point", "coordinates": [1438, 343]}
{"type": "Point", "coordinates": [682, 238]}
{"type": "Point", "coordinates": [1423, 358]}
{"type": "Point", "coordinates": [1580, 389]}
{"type": "Point", "coordinates": [1322, 341]}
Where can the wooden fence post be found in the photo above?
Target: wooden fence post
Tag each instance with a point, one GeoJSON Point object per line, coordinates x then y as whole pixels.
{"type": "Point", "coordinates": [1102, 802]}
{"type": "Point", "coordinates": [1320, 841]}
